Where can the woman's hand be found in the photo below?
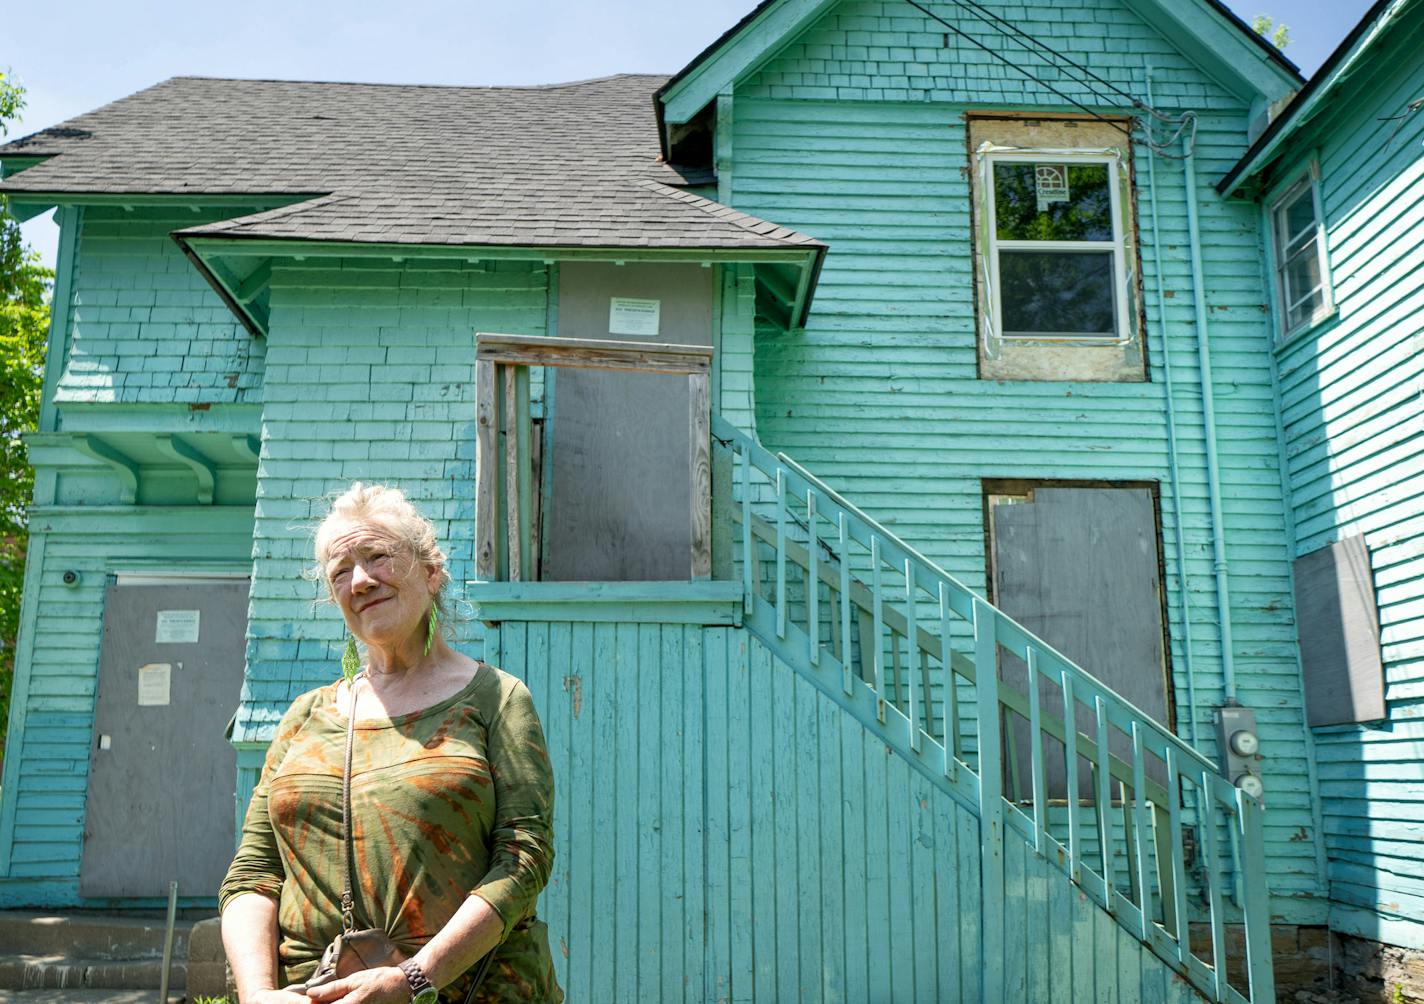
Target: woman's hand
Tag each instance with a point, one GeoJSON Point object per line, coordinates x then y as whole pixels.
{"type": "Point", "coordinates": [383, 985]}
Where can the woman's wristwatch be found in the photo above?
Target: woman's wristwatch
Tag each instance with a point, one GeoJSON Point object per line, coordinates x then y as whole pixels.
{"type": "Point", "coordinates": [422, 991]}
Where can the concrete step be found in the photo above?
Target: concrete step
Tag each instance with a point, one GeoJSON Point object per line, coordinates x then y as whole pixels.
{"type": "Point", "coordinates": [84, 997]}
{"type": "Point", "coordinates": [63, 972]}
{"type": "Point", "coordinates": [85, 935]}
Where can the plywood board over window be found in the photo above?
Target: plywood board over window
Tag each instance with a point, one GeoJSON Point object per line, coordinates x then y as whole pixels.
{"type": "Point", "coordinates": [1338, 626]}
{"type": "Point", "coordinates": [1056, 262]}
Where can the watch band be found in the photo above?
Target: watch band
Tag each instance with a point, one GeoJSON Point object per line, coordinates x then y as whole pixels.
{"type": "Point", "coordinates": [422, 991]}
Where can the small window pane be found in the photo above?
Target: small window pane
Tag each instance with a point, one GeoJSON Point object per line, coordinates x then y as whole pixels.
{"type": "Point", "coordinates": [1303, 293]}
{"type": "Point", "coordinates": [1052, 202]}
{"type": "Point", "coordinates": [1298, 217]}
{"type": "Point", "coordinates": [1058, 293]}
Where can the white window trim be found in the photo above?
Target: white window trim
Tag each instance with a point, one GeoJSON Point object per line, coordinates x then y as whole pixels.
{"type": "Point", "coordinates": [1284, 331]}
{"type": "Point", "coordinates": [1125, 323]}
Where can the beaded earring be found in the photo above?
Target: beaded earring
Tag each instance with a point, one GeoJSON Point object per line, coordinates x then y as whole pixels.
{"type": "Point", "coordinates": [433, 626]}
{"type": "Point", "coordinates": [350, 659]}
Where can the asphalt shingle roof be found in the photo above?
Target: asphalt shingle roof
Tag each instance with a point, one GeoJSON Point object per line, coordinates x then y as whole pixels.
{"type": "Point", "coordinates": [562, 165]}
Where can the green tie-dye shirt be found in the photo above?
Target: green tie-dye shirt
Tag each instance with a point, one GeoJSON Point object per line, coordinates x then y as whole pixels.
{"type": "Point", "coordinates": [452, 800]}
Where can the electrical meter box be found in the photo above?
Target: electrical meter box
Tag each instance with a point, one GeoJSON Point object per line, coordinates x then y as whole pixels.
{"type": "Point", "coordinates": [1240, 746]}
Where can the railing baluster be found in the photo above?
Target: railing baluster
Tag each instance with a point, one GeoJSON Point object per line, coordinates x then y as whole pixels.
{"type": "Point", "coordinates": [843, 545]}
{"type": "Point", "coordinates": [1070, 770]}
{"type": "Point", "coordinates": [1035, 727]}
{"type": "Point", "coordinates": [1175, 859]}
{"type": "Point", "coordinates": [912, 633]}
{"type": "Point", "coordinates": [952, 746]}
{"type": "Point", "coordinates": [1104, 779]}
{"type": "Point", "coordinates": [748, 555]}
{"type": "Point", "coordinates": [780, 553]}
{"type": "Point", "coordinates": [1206, 811]}
{"type": "Point", "coordinates": [877, 651]}
{"type": "Point", "coordinates": [1139, 827]}
{"type": "Point", "coordinates": [813, 582]}
{"type": "Point", "coordinates": [1257, 907]}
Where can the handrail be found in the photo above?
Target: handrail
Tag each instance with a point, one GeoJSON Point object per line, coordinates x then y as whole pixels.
{"type": "Point", "coordinates": [802, 593]}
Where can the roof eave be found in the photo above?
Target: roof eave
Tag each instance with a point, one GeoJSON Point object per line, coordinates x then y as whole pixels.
{"type": "Point", "coordinates": [1295, 115]}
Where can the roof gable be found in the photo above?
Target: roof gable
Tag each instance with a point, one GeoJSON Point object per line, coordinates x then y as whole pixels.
{"type": "Point", "coordinates": [1349, 58]}
{"type": "Point", "coordinates": [1207, 33]}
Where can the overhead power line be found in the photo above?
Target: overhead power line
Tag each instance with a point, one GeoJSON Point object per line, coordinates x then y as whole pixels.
{"type": "Point", "coordinates": [1102, 90]}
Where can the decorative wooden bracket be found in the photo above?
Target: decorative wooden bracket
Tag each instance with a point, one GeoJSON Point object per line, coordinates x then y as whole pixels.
{"type": "Point", "coordinates": [120, 463]}
{"type": "Point", "coordinates": [202, 468]}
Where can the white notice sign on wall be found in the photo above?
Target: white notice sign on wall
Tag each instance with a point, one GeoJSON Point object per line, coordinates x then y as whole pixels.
{"type": "Point", "coordinates": [176, 627]}
{"type": "Point", "coordinates": [630, 316]}
{"type": "Point", "coordinates": [154, 684]}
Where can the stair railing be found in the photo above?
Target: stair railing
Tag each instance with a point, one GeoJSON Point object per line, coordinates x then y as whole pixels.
{"type": "Point", "coordinates": [1138, 819]}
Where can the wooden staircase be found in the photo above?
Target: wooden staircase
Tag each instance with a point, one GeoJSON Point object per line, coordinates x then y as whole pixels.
{"type": "Point", "coordinates": [1155, 836]}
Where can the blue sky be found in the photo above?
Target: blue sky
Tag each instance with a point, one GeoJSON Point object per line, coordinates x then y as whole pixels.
{"type": "Point", "coordinates": [76, 55]}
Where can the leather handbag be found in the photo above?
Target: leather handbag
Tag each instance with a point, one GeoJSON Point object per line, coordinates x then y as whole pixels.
{"type": "Point", "coordinates": [352, 951]}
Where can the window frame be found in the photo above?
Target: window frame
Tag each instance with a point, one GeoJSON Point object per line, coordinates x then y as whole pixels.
{"type": "Point", "coordinates": [1123, 320]}
{"type": "Point", "coordinates": [1285, 195]}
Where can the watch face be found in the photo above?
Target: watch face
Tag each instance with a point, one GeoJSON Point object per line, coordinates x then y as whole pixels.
{"type": "Point", "coordinates": [427, 996]}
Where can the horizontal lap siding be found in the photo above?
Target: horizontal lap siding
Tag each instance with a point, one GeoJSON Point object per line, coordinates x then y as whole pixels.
{"type": "Point", "coordinates": [1354, 425]}
{"type": "Point", "coordinates": [879, 393]}
{"type": "Point", "coordinates": [145, 327]}
{"type": "Point", "coordinates": [370, 377]}
{"type": "Point", "coordinates": [55, 709]}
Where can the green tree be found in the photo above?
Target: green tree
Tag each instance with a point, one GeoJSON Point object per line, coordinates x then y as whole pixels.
{"type": "Point", "coordinates": [1268, 28]}
{"type": "Point", "coordinates": [24, 324]}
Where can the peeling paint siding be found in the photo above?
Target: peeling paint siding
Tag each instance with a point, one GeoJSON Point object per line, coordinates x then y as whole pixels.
{"type": "Point", "coordinates": [145, 327]}
{"type": "Point", "coordinates": [43, 813]}
{"type": "Point", "coordinates": [879, 394]}
{"type": "Point", "coordinates": [370, 376]}
{"type": "Point", "coordinates": [1352, 395]}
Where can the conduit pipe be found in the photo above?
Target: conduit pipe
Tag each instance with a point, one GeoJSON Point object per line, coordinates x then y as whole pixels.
{"type": "Point", "coordinates": [1182, 592]}
{"type": "Point", "coordinates": [1213, 477]}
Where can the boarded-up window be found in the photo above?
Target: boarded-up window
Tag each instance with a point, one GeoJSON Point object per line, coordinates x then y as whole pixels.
{"type": "Point", "coordinates": [1079, 567]}
{"type": "Point", "coordinates": [1338, 627]}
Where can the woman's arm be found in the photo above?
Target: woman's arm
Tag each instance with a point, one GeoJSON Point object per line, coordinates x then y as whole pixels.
{"type": "Point", "coordinates": [474, 931]}
{"type": "Point", "coordinates": [250, 890]}
{"type": "Point", "coordinates": [249, 932]}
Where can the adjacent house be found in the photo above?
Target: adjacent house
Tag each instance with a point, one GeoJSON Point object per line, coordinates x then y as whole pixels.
{"type": "Point", "coordinates": [937, 467]}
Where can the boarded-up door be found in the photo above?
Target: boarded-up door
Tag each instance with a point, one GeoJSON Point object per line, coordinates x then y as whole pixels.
{"type": "Point", "coordinates": [1079, 567]}
{"type": "Point", "coordinates": [162, 774]}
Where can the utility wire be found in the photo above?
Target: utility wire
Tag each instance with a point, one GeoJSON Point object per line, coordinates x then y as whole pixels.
{"type": "Point", "coordinates": [1185, 123]}
{"type": "Point", "coordinates": [1011, 64]}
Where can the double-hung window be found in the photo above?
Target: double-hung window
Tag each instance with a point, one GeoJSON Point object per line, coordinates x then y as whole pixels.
{"type": "Point", "coordinates": [1055, 241]}
{"type": "Point", "coordinates": [1056, 262]}
{"type": "Point", "coordinates": [1298, 244]}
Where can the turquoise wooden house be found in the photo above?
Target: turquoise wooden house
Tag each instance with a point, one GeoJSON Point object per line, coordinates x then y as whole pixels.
{"type": "Point", "coordinates": [882, 447]}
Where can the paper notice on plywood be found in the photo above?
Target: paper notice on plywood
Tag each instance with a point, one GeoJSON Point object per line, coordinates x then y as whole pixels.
{"type": "Point", "coordinates": [154, 684]}
{"type": "Point", "coordinates": [631, 316]}
{"type": "Point", "coordinates": [176, 627]}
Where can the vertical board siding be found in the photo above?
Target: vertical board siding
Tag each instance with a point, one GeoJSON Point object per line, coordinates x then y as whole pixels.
{"type": "Point", "coordinates": [706, 842]}
{"type": "Point", "coordinates": [1353, 423]}
{"type": "Point", "coordinates": [51, 736]}
{"type": "Point", "coordinates": [369, 376]}
{"type": "Point", "coordinates": [724, 831]}
{"type": "Point", "coordinates": [145, 327]}
{"type": "Point", "coordinates": [856, 135]}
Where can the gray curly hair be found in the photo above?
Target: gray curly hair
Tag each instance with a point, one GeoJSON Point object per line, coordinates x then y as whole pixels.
{"type": "Point", "coordinates": [388, 509]}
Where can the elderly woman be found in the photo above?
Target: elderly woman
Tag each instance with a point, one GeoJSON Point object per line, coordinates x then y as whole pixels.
{"type": "Point", "coordinates": [451, 796]}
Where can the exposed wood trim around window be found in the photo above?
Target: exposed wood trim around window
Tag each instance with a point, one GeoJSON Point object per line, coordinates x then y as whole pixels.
{"type": "Point", "coordinates": [593, 354]}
